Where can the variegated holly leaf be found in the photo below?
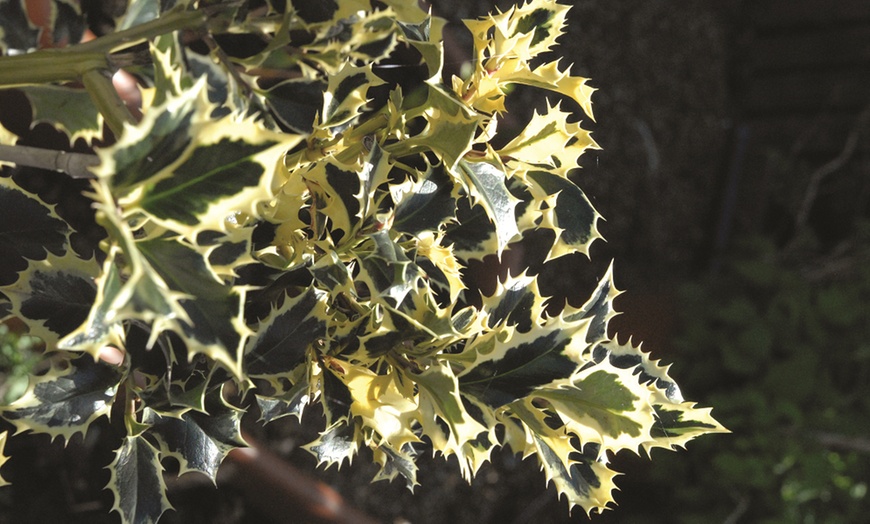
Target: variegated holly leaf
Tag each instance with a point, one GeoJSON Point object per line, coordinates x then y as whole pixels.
{"type": "Point", "coordinates": [584, 480]}
{"type": "Point", "coordinates": [598, 308]}
{"type": "Point", "coordinates": [579, 473]}
{"type": "Point", "coordinates": [334, 394]}
{"type": "Point", "coordinates": [295, 103]}
{"type": "Point", "coordinates": [214, 323]}
{"type": "Point", "coordinates": [199, 441]}
{"type": "Point", "coordinates": [443, 416]}
{"type": "Point", "coordinates": [473, 236]}
{"type": "Point", "coordinates": [384, 403]}
{"type": "Point", "coordinates": [509, 365]}
{"type": "Point", "coordinates": [676, 421]}
{"type": "Point", "coordinates": [572, 216]}
{"type": "Point", "coordinates": [506, 43]}
{"type": "Point", "coordinates": [449, 132]}
{"type": "Point", "coordinates": [601, 404]}
{"type": "Point", "coordinates": [337, 443]}
{"type": "Point", "coordinates": [337, 191]}
{"type": "Point", "coordinates": [516, 302]}
{"type": "Point", "coordinates": [282, 341]}
{"type": "Point", "coordinates": [54, 296]}
{"type": "Point", "coordinates": [487, 186]}
{"type": "Point", "coordinates": [551, 140]}
{"type": "Point", "coordinates": [426, 37]}
{"type": "Point", "coordinates": [144, 295]}
{"type": "Point", "coordinates": [3, 457]}
{"type": "Point", "coordinates": [345, 94]}
{"type": "Point", "coordinates": [69, 110]}
{"type": "Point", "coordinates": [30, 229]}
{"type": "Point", "coordinates": [426, 204]}
{"type": "Point", "coordinates": [100, 328]}
{"type": "Point", "coordinates": [387, 271]}
{"type": "Point", "coordinates": [290, 403]}
{"type": "Point", "coordinates": [189, 171]}
{"type": "Point", "coordinates": [67, 399]}
{"type": "Point", "coordinates": [394, 463]}
{"type": "Point", "coordinates": [136, 481]}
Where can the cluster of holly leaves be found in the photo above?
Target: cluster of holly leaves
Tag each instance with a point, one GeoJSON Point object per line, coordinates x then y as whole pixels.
{"type": "Point", "coordinates": [286, 228]}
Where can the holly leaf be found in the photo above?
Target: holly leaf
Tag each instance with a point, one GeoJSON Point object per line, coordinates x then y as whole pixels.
{"type": "Point", "coordinates": [345, 95]}
{"type": "Point", "coordinates": [137, 483]}
{"type": "Point", "coordinates": [199, 441]}
{"type": "Point", "coordinates": [214, 325]}
{"type": "Point", "coordinates": [3, 457]}
{"type": "Point", "coordinates": [549, 139]}
{"type": "Point", "coordinates": [509, 365]}
{"type": "Point", "coordinates": [101, 328]}
{"type": "Point", "coordinates": [30, 229]}
{"type": "Point", "coordinates": [676, 421]}
{"type": "Point", "coordinates": [598, 308]}
{"type": "Point", "coordinates": [66, 400]}
{"type": "Point", "coordinates": [189, 171]}
{"type": "Point", "coordinates": [385, 403]}
{"type": "Point", "coordinates": [336, 444]}
{"type": "Point", "coordinates": [290, 403]}
{"type": "Point", "coordinates": [572, 216]}
{"type": "Point", "coordinates": [449, 132]}
{"type": "Point", "coordinates": [440, 403]}
{"type": "Point", "coordinates": [603, 405]}
{"type": "Point", "coordinates": [387, 272]}
{"type": "Point", "coordinates": [394, 463]}
{"type": "Point", "coordinates": [281, 341]}
{"type": "Point", "coordinates": [54, 296]}
{"type": "Point", "coordinates": [486, 184]}
{"type": "Point", "coordinates": [69, 110]}
{"type": "Point", "coordinates": [584, 480]}
{"type": "Point", "coordinates": [426, 204]}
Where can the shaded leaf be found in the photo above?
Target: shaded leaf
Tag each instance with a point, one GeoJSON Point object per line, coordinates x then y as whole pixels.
{"type": "Point", "coordinates": [199, 441]}
{"type": "Point", "coordinates": [66, 400]}
{"type": "Point", "coordinates": [29, 230]}
{"type": "Point", "coordinates": [336, 444]}
{"type": "Point", "coordinates": [394, 463]}
{"type": "Point", "coordinates": [427, 204]}
{"type": "Point", "coordinates": [69, 110]}
{"type": "Point", "coordinates": [137, 482]}
{"type": "Point", "coordinates": [214, 323]}
{"type": "Point", "coordinates": [100, 328]}
{"type": "Point", "coordinates": [281, 341]}
{"type": "Point", "coordinates": [290, 403]}
{"type": "Point", "coordinates": [54, 296]}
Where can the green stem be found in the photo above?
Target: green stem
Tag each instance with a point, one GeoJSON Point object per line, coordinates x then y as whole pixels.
{"type": "Point", "coordinates": [166, 23]}
{"type": "Point", "coordinates": [48, 65]}
{"type": "Point", "coordinates": [71, 63]}
{"type": "Point", "coordinates": [98, 82]}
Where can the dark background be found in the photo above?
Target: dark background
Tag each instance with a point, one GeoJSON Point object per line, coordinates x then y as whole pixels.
{"type": "Point", "coordinates": [734, 179]}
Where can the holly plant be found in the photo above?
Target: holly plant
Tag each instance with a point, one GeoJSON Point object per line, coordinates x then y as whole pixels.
{"type": "Point", "coordinates": [289, 225]}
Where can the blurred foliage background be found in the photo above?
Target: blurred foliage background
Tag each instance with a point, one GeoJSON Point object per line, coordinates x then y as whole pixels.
{"type": "Point", "coordinates": [735, 182]}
